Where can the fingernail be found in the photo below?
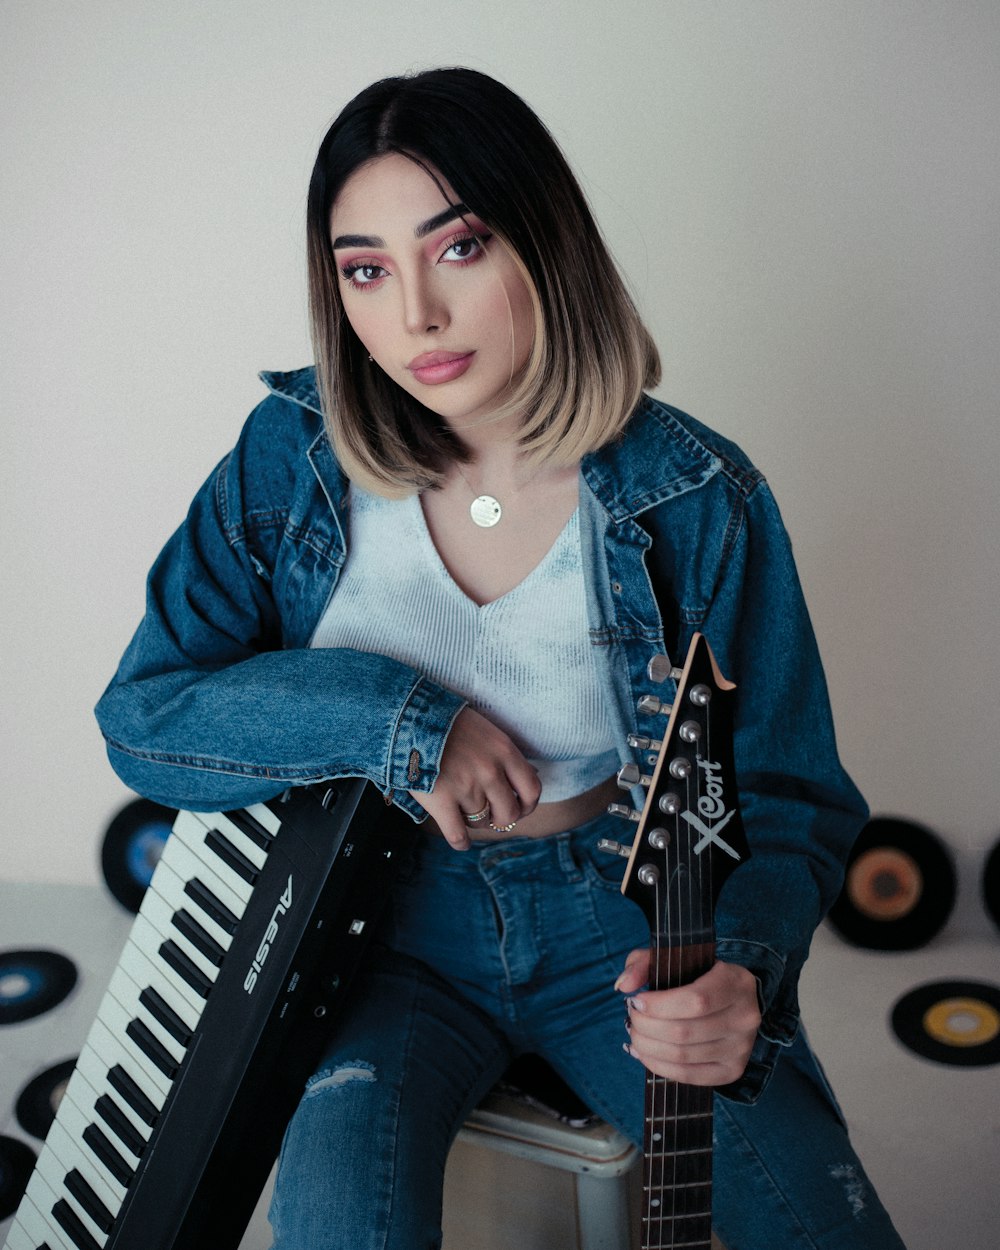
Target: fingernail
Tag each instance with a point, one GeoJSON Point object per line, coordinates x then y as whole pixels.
{"type": "Point", "coordinates": [627, 1049]}
{"type": "Point", "coordinates": [618, 983]}
{"type": "Point", "coordinates": [635, 1004]}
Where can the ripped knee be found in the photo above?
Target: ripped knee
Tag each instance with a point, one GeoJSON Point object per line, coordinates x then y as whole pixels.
{"type": "Point", "coordinates": [854, 1186]}
{"type": "Point", "coordinates": [357, 1070]}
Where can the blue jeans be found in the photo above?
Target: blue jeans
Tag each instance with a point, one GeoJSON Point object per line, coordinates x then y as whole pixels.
{"type": "Point", "coordinates": [511, 947]}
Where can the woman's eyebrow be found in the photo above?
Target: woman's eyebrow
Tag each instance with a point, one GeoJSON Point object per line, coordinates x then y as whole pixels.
{"type": "Point", "coordinates": [420, 232]}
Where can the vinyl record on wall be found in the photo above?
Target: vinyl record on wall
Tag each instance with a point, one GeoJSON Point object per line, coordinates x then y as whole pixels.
{"type": "Point", "coordinates": [38, 1102]}
{"type": "Point", "coordinates": [991, 885]}
{"type": "Point", "coordinates": [132, 848]}
{"type": "Point", "coordinates": [17, 1162]}
{"type": "Point", "coordinates": [33, 982]}
{"type": "Point", "coordinates": [953, 1022]}
{"type": "Point", "coordinates": [899, 889]}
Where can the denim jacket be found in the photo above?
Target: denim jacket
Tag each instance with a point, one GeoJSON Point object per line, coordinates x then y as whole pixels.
{"type": "Point", "coordinates": [219, 701]}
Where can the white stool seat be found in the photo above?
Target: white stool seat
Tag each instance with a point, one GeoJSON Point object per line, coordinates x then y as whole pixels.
{"type": "Point", "coordinates": [598, 1154]}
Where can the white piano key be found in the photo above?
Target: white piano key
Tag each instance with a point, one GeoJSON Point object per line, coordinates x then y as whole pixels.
{"type": "Point", "coordinates": [148, 971]}
{"type": "Point", "coordinates": [39, 1229]}
{"type": "Point", "coordinates": [86, 1095]}
{"type": "Point", "coordinates": [243, 842]}
{"type": "Point", "coordinates": [95, 1072]}
{"type": "Point", "coordinates": [160, 916]}
{"type": "Point", "coordinates": [18, 1239]}
{"type": "Point", "coordinates": [45, 1198]}
{"type": "Point", "coordinates": [261, 812]}
{"type": "Point", "coordinates": [111, 1050]}
{"type": "Point", "coordinates": [128, 990]}
{"type": "Point", "coordinates": [149, 940]}
{"type": "Point", "coordinates": [114, 1019]}
{"type": "Point", "coordinates": [124, 989]}
{"type": "Point", "coordinates": [183, 858]}
{"type": "Point", "coordinates": [169, 886]}
{"type": "Point", "coordinates": [54, 1167]}
{"type": "Point", "coordinates": [67, 1143]}
{"type": "Point", "coordinates": [193, 832]}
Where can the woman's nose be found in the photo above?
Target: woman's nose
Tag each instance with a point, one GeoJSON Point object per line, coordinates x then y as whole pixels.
{"type": "Point", "coordinates": [424, 309]}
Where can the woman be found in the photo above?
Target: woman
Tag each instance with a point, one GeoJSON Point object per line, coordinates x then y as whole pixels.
{"type": "Point", "coordinates": [451, 583]}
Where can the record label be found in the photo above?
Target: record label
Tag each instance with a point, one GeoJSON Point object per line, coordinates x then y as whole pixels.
{"type": "Point", "coordinates": [132, 847]}
{"type": "Point", "coordinates": [33, 982]}
{"type": "Point", "coordinates": [899, 888]}
{"type": "Point", "coordinates": [952, 1022]}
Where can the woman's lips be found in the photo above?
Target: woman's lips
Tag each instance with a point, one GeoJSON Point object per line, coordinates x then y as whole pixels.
{"type": "Point", "coordinates": [435, 367]}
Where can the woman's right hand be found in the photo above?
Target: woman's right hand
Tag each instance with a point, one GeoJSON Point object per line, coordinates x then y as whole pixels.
{"type": "Point", "coordinates": [480, 766]}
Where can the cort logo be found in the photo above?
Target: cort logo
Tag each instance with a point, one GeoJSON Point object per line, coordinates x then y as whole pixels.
{"type": "Point", "coordinates": [712, 807]}
{"type": "Point", "coordinates": [270, 933]}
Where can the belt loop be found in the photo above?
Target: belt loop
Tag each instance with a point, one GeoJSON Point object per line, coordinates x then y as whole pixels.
{"type": "Point", "coordinates": [567, 860]}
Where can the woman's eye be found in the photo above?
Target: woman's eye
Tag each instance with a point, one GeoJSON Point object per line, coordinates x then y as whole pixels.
{"type": "Point", "coordinates": [362, 275]}
{"type": "Point", "coordinates": [468, 247]}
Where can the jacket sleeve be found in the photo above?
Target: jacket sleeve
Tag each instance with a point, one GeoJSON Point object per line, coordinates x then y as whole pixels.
{"type": "Point", "coordinates": [209, 709]}
{"type": "Point", "coordinates": [800, 810]}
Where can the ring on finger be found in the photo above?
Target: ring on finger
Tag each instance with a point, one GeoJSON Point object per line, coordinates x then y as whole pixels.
{"type": "Point", "coordinates": [476, 818]}
{"type": "Point", "coordinates": [503, 828]}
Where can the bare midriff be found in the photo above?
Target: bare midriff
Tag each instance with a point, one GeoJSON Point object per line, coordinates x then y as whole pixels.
{"type": "Point", "coordinates": [550, 818]}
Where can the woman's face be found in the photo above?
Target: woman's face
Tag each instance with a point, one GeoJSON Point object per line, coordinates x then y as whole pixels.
{"type": "Point", "coordinates": [444, 313]}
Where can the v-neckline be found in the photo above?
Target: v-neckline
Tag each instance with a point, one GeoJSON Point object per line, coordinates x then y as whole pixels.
{"type": "Point", "coordinates": [434, 556]}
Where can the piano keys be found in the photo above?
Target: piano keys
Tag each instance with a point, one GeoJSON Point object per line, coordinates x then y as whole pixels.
{"type": "Point", "coordinates": [246, 940]}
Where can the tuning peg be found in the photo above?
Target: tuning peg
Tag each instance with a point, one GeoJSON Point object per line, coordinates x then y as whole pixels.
{"type": "Point", "coordinates": [650, 705]}
{"type": "Point", "coordinates": [690, 731]}
{"type": "Point", "coordinates": [659, 669]}
{"type": "Point", "coordinates": [624, 811]}
{"type": "Point", "coordinates": [614, 848]}
{"type": "Point", "coordinates": [629, 776]}
{"type": "Point", "coordinates": [638, 743]}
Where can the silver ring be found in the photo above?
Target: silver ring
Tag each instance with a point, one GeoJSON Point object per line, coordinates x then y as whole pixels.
{"type": "Point", "coordinates": [476, 818]}
{"type": "Point", "coordinates": [503, 828]}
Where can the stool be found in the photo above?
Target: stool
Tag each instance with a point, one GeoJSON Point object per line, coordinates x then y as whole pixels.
{"type": "Point", "coordinates": [600, 1156]}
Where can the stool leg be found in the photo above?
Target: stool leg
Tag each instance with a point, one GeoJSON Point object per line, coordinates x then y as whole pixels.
{"type": "Point", "coordinates": [602, 1212]}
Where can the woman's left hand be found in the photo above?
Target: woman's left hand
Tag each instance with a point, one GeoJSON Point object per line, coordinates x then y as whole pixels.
{"type": "Point", "coordinates": [697, 1034]}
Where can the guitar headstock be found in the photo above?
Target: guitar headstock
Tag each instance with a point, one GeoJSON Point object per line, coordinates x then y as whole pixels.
{"type": "Point", "coordinates": [690, 834]}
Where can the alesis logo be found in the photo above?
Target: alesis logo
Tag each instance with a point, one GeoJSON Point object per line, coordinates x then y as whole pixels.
{"type": "Point", "coordinates": [711, 806]}
{"type": "Point", "coordinates": [270, 933]}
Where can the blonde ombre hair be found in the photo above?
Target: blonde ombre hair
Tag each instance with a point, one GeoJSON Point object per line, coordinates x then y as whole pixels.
{"type": "Point", "coordinates": [592, 356]}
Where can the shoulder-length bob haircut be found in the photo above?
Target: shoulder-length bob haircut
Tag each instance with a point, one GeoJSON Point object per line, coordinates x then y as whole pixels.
{"type": "Point", "coordinates": [591, 356]}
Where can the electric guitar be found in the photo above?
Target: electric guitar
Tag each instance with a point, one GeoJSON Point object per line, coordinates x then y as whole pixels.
{"type": "Point", "coordinates": [690, 837]}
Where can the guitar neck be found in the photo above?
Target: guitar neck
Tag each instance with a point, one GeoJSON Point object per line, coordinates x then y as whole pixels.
{"type": "Point", "coordinates": [689, 839]}
{"type": "Point", "coordinates": [677, 1146]}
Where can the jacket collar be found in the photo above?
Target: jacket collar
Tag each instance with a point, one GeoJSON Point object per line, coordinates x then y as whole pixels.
{"type": "Point", "coordinates": [658, 456]}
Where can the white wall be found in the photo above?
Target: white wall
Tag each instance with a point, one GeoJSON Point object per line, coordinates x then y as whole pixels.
{"type": "Point", "coordinates": [804, 196]}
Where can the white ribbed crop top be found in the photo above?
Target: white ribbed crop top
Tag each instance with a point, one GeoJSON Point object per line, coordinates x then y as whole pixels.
{"type": "Point", "coordinates": [524, 660]}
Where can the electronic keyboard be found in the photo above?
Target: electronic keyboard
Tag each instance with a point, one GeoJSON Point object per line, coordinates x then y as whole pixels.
{"type": "Point", "coordinates": [217, 1013]}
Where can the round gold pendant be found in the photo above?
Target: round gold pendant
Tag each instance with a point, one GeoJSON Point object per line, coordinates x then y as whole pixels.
{"type": "Point", "coordinates": [485, 511]}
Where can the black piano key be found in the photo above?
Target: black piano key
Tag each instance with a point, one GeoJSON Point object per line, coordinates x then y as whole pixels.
{"type": "Point", "coordinates": [72, 1225]}
{"type": "Point", "coordinates": [211, 906]}
{"type": "Point", "coordinates": [149, 1046]}
{"type": "Point", "coordinates": [251, 826]}
{"type": "Point", "coordinates": [172, 954]}
{"type": "Point", "coordinates": [185, 923]}
{"type": "Point", "coordinates": [164, 1014]}
{"type": "Point", "coordinates": [230, 856]}
{"type": "Point", "coordinates": [120, 1080]}
{"type": "Point", "coordinates": [85, 1196]}
{"type": "Point", "coordinates": [108, 1155]}
{"type": "Point", "coordinates": [120, 1124]}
